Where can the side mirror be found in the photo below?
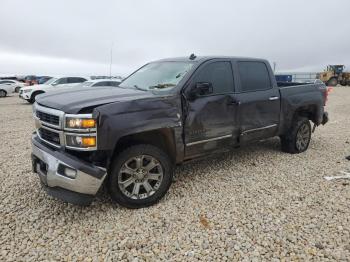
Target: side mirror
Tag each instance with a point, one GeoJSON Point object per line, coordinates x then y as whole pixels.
{"type": "Point", "coordinates": [201, 89]}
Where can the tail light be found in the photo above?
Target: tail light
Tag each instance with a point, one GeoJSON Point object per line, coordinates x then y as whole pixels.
{"type": "Point", "coordinates": [325, 94]}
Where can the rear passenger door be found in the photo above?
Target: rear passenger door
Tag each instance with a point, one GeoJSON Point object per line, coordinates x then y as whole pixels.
{"type": "Point", "coordinates": [259, 109]}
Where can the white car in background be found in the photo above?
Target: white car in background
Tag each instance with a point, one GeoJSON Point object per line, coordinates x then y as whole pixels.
{"type": "Point", "coordinates": [30, 92]}
{"type": "Point", "coordinates": [13, 83]}
{"type": "Point", "coordinates": [101, 82]}
{"type": "Point", "coordinates": [6, 89]}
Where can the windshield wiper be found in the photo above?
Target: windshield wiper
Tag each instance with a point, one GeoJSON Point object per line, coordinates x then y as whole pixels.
{"type": "Point", "coordinates": [160, 86]}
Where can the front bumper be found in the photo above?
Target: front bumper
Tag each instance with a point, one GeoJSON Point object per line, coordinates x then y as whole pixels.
{"type": "Point", "coordinates": [50, 165]}
{"type": "Point", "coordinates": [25, 96]}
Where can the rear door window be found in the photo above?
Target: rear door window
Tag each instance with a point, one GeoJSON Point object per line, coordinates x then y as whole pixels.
{"type": "Point", "coordinates": [254, 76]}
{"type": "Point", "coordinates": [6, 82]}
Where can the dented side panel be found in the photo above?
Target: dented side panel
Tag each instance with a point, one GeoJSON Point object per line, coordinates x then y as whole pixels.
{"type": "Point", "coordinates": [259, 116]}
{"type": "Point", "coordinates": [210, 118]}
{"type": "Point", "coordinates": [303, 97]}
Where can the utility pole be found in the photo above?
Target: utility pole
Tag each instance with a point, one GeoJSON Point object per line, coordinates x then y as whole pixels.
{"type": "Point", "coordinates": [274, 66]}
{"type": "Point", "coordinates": [111, 61]}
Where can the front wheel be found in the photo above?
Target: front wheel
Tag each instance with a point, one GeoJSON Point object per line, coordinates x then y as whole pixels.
{"type": "Point", "coordinates": [17, 89]}
{"type": "Point", "coordinates": [140, 176]}
{"type": "Point", "coordinates": [298, 138]}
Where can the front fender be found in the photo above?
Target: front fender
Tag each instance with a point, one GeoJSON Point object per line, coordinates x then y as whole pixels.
{"type": "Point", "coordinates": [121, 119]}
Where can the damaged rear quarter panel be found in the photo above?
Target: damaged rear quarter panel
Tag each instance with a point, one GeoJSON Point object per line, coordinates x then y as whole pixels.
{"type": "Point", "coordinates": [120, 119]}
{"type": "Point", "coordinates": [298, 97]}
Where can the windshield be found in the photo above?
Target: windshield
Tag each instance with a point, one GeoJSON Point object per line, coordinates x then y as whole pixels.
{"type": "Point", "coordinates": [51, 81]}
{"type": "Point", "coordinates": [158, 75]}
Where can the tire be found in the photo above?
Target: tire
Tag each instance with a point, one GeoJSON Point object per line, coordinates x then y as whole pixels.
{"type": "Point", "coordinates": [17, 89]}
{"type": "Point", "coordinates": [332, 82]}
{"type": "Point", "coordinates": [298, 137]}
{"type": "Point", "coordinates": [136, 162]}
{"type": "Point", "coordinates": [3, 93]}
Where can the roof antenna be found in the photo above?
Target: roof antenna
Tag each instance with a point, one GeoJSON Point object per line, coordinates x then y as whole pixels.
{"type": "Point", "coordinates": [193, 57]}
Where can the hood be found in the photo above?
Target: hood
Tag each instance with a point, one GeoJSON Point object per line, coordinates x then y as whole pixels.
{"type": "Point", "coordinates": [73, 101]}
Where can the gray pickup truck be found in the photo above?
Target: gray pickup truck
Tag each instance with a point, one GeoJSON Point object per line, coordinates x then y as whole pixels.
{"type": "Point", "coordinates": [130, 137]}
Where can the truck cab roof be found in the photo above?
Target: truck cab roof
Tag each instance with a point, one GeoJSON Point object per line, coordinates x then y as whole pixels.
{"type": "Point", "coordinates": [206, 58]}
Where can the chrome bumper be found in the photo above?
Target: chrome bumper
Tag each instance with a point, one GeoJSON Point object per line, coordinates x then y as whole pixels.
{"type": "Point", "coordinates": [50, 165]}
{"type": "Point", "coordinates": [24, 96]}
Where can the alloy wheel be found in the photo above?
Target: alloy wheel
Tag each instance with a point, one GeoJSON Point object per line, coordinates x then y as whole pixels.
{"type": "Point", "coordinates": [303, 137]}
{"type": "Point", "coordinates": [140, 177]}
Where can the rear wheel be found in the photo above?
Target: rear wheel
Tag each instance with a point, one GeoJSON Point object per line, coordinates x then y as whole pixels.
{"type": "Point", "coordinates": [3, 93]}
{"type": "Point", "coordinates": [332, 82]}
{"type": "Point", "coordinates": [140, 176]}
{"type": "Point", "coordinates": [298, 138]}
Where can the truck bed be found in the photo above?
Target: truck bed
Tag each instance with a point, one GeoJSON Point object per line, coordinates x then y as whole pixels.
{"type": "Point", "coordinates": [301, 96]}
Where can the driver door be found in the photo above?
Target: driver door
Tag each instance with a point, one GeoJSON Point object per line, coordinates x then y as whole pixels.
{"type": "Point", "coordinates": [210, 123]}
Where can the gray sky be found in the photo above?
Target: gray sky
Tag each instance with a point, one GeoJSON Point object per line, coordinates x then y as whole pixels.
{"type": "Point", "coordinates": [60, 37]}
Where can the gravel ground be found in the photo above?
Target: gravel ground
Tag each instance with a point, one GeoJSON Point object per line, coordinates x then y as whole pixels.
{"type": "Point", "coordinates": [255, 203]}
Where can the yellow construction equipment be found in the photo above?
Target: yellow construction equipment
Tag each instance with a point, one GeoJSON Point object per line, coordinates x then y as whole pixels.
{"type": "Point", "coordinates": [334, 75]}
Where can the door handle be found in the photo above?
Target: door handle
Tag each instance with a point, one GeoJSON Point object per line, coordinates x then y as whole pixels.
{"type": "Point", "coordinates": [272, 98]}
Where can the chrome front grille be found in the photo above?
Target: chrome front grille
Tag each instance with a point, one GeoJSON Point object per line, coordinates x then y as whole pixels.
{"type": "Point", "coordinates": [48, 118]}
{"type": "Point", "coordinates": [49, 136]}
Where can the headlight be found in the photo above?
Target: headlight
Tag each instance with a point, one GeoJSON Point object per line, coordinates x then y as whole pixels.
{"type": "Point", "coordinates": [80, 132]}
{"type": "Point", "coordinates": [27, 90]}
{"type": "Point", "coordinates": [81, 141]}
{"type": "Point", "coordinates": [80, 123]}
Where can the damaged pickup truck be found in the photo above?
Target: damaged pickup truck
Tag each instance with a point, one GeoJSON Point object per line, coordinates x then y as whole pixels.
{"type": "Point", "coordinates": [131, 137]}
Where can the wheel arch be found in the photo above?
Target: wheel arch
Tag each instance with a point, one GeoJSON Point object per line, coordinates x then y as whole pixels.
{"type": "Point", "coordinates": [310, 111]}
{"type": "Point", "coordinates": [38, 92]}
{"type": "Point", "coordinates": [163, 138]}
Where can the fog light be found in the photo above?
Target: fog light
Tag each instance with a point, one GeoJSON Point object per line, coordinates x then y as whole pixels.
{"type": "Point", "coordinates": [69, 172]}
{"type": "Point", "coordinates": [89, 141]}
{"type": "Point", "coordinates": [81, 141]}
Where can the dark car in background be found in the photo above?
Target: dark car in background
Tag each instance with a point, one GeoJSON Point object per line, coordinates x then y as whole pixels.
{"type": "Point", "coordinates": [42, 79]}
{"type": "Point", "coordinates": [31, 80]}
